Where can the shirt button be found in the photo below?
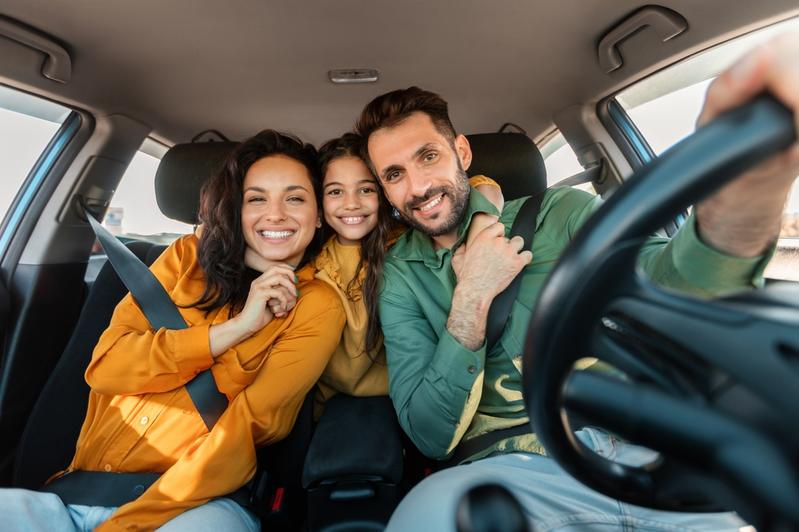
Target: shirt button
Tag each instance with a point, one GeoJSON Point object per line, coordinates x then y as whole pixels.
{"type": "Point", "coordinates": [107, 467]}
{"type": "Point", "coordinates": [472, 369]}
{"type": "Point", "coordinates": [457, 424]}
{"type": "Point", "coordinates": [144, 420]}
{"type": "Point", "coordinates": [518, 357]}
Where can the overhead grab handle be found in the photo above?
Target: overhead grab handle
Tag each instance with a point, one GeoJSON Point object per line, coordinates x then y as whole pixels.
{"type": "Point", "coordinates": [57, 66]}
{"type": "Point", "coordinates": [665, 22]}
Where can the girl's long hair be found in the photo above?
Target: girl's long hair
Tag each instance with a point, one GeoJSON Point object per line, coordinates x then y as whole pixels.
{"type": "Point", "coordinates": [373, 245]}
{"type": "Point", "coordinates": [221, 247]}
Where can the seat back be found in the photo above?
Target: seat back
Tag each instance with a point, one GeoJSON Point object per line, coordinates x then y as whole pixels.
{"type": "Point", "coordinates": [510, 159]}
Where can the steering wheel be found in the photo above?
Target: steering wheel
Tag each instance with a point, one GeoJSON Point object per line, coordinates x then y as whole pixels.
{"type": "Point", "coordinates": [712, 385]}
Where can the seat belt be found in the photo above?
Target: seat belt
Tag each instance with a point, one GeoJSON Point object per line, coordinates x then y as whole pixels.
{"type": "Point", "coordinates": [160, 311]}
{"type": "Point", "coordinates": [99, 488]}
{"type": "Point", "coordinates": [523, 226]}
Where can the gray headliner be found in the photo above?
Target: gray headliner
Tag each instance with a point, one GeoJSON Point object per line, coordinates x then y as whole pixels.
{"type": "Point", "coordinates": [183, 66]}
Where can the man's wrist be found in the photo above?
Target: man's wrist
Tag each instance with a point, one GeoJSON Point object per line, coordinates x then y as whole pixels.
{"type": "Point", "coordinates": [467, 317]}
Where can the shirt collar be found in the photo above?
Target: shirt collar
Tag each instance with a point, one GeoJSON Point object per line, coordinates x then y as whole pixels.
{"type": "Point", "coordinates": [417, 246]}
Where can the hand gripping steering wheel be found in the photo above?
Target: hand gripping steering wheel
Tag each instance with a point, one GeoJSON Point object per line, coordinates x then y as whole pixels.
{"type": "Point", "coordinates": [713, 386]}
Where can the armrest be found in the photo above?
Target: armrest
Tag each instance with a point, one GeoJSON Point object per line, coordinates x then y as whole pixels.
{"type": "Point", "coordinates": [356, 437]}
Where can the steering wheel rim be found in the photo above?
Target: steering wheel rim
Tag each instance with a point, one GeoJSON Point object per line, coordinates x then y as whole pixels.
{"type": "Point", "coordinates": [595, 283]}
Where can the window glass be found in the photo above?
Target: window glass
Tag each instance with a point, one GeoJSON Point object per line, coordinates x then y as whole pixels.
{"type": "Point", "coordinates": [27, 124]}
{"type": "Point", "coordinates": [665, 107]}
{"type": "Point", "coordinates": [561, 162]}
{"type": "Point", "coordinates": [134, 213]}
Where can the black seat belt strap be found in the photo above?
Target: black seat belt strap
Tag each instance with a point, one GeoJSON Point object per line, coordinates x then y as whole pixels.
{"type": "Point", "coordinates": [523, 226]}
{"type": "Point", "coordinates": [98, 488]}
{"type": "Point", "coordinates": [482, 442]}
{"type": "Point", "coordinates": [160, 311]}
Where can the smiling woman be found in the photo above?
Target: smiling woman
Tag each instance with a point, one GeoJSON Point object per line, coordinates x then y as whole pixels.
{"type": "Point", "coordinates": [280, 214]}
{"type": "Point", "coordinates": [263, 201]}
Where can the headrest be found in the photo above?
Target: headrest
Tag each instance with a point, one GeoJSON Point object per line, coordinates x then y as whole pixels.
{"type": "Point", "coordinates": [510, 159]}
{"type": "Point", "coordinates": [181, 175]}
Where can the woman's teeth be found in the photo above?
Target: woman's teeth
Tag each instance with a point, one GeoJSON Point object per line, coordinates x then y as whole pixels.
{"type": "Point", "coordinates": [276, 234]}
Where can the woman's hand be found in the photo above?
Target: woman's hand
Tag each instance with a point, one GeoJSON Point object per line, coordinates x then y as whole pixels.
{"type": "Point", "coordinates": [273, 294]}
{"type": "Point", "coordinates": [269, 295]}
{"type": "Point", "coordinates": [281, 307]}
{"type": "Point", "coordinates": [255, 261]}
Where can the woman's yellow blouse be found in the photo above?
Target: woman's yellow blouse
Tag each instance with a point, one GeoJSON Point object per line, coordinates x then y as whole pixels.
{"type": "Point", "coordinates": [141, 419]}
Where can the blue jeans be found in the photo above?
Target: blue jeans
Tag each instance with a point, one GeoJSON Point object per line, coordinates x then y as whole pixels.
{"type": "Point", "coordinates": [29, 511]}
{"type": "Point", "coordinates": [551, 498]}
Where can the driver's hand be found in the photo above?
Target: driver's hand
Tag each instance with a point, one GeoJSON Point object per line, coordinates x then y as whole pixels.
{"type": "Point", "coordinates": [743, 218]}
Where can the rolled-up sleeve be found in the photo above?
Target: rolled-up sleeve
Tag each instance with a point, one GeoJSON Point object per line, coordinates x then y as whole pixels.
{"type": "Point", "coordinates": [689, 266]}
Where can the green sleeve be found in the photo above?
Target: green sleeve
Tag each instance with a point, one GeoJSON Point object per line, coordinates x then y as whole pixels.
{"type": "Point", "coordinates": [689, 266]}
{"type": "Point", "coordinates": [684, 263]}
{"type": "Point", "coordinates": [435, 383]}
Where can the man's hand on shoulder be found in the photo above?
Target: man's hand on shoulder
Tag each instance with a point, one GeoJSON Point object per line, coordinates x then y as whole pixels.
{"type": "Point", "coordinates": [484, 269]}
{"type": "Point", "coordinates": [743, 218]}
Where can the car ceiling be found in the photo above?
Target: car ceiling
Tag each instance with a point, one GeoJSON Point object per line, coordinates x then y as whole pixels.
{"type": "Point", "coordinates": [238, 66]}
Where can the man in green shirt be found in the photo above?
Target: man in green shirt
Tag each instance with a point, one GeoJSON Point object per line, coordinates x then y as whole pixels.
{"type": "Point", "coordinates": [445, 387]}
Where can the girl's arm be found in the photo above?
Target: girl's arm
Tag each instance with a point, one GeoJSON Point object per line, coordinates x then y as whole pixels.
{"type": "Point", "coordinates": [490, 189]}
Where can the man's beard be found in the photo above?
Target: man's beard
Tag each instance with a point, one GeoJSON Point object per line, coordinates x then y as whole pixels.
{"type": "Point", "coordinates": [459, 198]}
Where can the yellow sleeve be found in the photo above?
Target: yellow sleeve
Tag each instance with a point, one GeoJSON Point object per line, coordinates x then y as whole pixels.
{"type": "Point", "coordinates": [131, 358]}
{"type": "Point", "coordinates": [478, 180]}
{"type": "Point", "coordinates": [224, 459]}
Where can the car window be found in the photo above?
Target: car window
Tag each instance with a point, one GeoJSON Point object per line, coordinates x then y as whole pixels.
{"type": "Point", "coordinates": [27, 124]}
{"type": "Point", "coordinates": [561, 162]}
{"type": "Point", "coordinates": [664, 109]}
{"type": "Point", "coordinates": [134, 213]}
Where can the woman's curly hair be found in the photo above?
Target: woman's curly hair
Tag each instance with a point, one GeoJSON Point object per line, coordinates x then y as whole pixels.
{"type": "Point", "coordinates": [220, 252]}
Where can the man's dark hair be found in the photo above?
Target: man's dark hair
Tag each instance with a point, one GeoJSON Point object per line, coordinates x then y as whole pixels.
{"type": "Point", "coordinates": [393, 108]}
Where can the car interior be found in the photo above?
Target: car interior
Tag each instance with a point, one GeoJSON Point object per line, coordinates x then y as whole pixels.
{"type": "Point", "coordinates": [185, 81]}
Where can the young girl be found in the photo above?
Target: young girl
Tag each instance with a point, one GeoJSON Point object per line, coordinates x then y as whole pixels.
{"type": "Point", "coordinates": [351, 261]}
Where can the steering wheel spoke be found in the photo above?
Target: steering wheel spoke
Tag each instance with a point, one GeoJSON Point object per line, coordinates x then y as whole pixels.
{"type": "Point", "coordinates": [648, 333]}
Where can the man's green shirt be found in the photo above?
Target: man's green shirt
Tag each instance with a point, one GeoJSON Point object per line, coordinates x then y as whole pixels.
{"type": "Point", "coordinates": [444, 392]}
